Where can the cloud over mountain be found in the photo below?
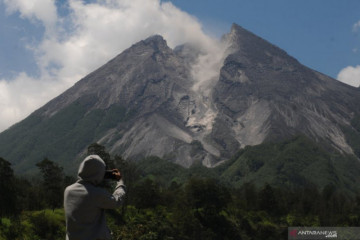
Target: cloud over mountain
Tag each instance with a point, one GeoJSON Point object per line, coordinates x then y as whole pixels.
{"type": "Point", "coordinates": [350, 75]}
{"type": "Point", "coordinates": [87, 35]}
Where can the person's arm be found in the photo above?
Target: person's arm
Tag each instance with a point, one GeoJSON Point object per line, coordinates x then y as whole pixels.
{"type": "Point", "coordinates": [107, 200]}
{"type": "Point", "coordinates": [119, 192]}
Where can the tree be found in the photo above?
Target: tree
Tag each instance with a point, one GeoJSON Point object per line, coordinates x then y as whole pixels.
{"type": "Point", "coordinates": [7, 189]}
{"type": "Point", "coordinates": [97, 149]}
{"type": "Point", "coordinates": [208, 199]}
{"type": "Point", "coordinates": [207, 193]}
{"type": "Point", "coordinates": [250, 196]}
{"type": "Point", "coordinates": [268, 201]}
{"type": "Point", "coordinates": [146, 194]}
{"type": "Point", "coordinates": [130, 175]}
{"type": "Point", "coordinates": [53, 182]}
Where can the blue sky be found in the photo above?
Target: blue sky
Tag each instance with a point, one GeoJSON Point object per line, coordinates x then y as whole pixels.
{"type": "Point", "coordinates": [46, 46]}
{"type": "Point", "coordinates": [319, 33]}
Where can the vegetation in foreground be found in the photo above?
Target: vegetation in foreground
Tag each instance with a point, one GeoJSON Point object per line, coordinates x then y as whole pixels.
{"type": "Point", "coordinates": [166, 201]}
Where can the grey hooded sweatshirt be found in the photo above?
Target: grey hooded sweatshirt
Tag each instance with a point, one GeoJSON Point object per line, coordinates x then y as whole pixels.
{"type": "Point", "coordinates": [84, 202]}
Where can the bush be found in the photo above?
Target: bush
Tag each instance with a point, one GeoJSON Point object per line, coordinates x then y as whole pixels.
{"type": "Point", "coordinates": [44, 224]}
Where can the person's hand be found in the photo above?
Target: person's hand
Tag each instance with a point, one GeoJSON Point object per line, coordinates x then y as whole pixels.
{"type": "Point", "coordinates": [117, 174]}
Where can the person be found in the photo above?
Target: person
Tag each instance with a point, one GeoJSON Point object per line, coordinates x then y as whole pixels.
{"type": "Point", "coordinates": [85, 201]}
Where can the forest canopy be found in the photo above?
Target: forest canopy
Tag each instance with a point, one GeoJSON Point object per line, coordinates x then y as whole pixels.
{"type": "Point", "coordinates": [167, 201]}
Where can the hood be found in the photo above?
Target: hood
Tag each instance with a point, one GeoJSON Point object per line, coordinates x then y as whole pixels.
{"type": "Point", "coordinates": [92, 169]}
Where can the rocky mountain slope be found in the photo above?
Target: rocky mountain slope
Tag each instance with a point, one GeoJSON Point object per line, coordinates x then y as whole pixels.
{"type": "Point", "coordinates": [185, 106]}
{"type": "Point", "coordinates": [269, 95]}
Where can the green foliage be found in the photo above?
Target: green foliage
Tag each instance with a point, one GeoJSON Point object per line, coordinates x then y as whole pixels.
{"type": "Point", "coordinates": [146, 224]}
{"type": "Point", "coordinates": [207, 194]}
{"type": "Point", "coordinates": [164, 171]}
{"type": "Point", "coordinates": [35, 225]}
{"type": "Point", "coordinates": [146, 194]}
{"type": "Point", "coordinates": [30, 194]}
{"type": "Point", "coordinates": [44, 224]}
{"type": "Point", "coordinates": [298, 162]}
{"type": "Point", "coordinates": [53, 182]}
{"type": "Point", "coordinates": [202, 208]}
{"type": "Point", "coordinates": [255, 195]}
{"type": "Point", "coordinates": [7, 189]}
{"type": "Point", "coordinates": [267, 200]}
{"type": "Point", "coordinates": [7, 229]}
{"type": "Point", "coordinates": [205, 209]}
{"type": "Point", "coordinates": [197, 170]}
{"type": "Point", "coordinates": [99, 150]}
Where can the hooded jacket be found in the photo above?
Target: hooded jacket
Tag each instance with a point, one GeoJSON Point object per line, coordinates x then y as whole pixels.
{"type": "Point", "coordinates": [84, 202]}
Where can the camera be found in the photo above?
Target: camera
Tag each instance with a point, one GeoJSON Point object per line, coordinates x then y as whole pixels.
{"type": "Point", "coordinates": [109, 175]}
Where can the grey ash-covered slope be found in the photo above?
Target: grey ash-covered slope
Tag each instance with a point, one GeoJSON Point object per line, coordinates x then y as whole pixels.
{"type": "Point", "coordinates": [268, 95]}
{"type": "Point", "coordinates": [135, 105]}
{"type": "Point", "coordinates": [147, 101]}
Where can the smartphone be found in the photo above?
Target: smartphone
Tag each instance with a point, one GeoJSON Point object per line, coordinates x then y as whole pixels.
{"type": "Point", "coordinates": [109, 175]}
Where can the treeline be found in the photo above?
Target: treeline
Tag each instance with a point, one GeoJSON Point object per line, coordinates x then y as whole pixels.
{"type": "Point", "coordinates": [166, 201]}
{"type": "Point", "coordinates": [25, 203]}
{"type": "Point", "coordinates": [203, 208]}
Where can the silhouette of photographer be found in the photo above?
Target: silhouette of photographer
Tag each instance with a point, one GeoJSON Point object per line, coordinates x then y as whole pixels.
{"type": "Point", "coordinates": [85, 201]}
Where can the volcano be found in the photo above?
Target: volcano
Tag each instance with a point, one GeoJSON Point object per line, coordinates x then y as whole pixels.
{"type": "Point", "coordinates": [187, 106]}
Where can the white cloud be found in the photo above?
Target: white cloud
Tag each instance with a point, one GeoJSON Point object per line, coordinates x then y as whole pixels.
{"type": "Point", "coordinates": [42, 10]}
{"type": "Point", "coordinates": [89, 36]}
{"type": "Point", "coordinates": [350, 75]}
{"type": "Point", "coordinates": [21, 96]}
{"type": "Point", "coordinates": [356, 26]}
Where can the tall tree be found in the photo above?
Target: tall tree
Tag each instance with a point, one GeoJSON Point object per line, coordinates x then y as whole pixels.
{"type": "Point", "coordinates": [267, 200]}
{"type": "Point", "coordinates": [7, 189]}
{"type": "Point", "coordinates": [130, 174]}
{"type": "Point", "coordinates": [53, 182]}
{"type": "Point", "coordinates": [99, 150]}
